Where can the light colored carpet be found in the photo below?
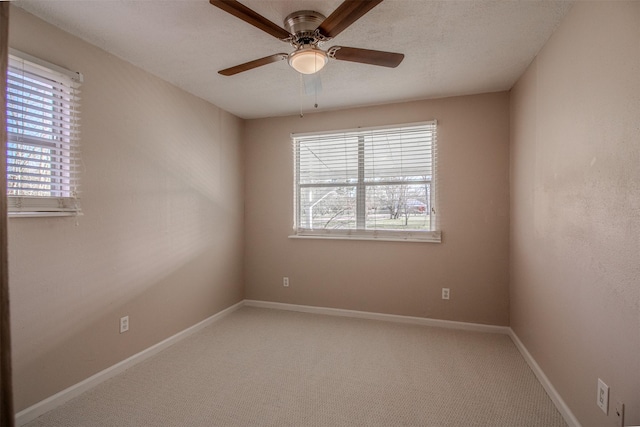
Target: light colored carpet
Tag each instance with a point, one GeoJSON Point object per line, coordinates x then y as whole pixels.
{"type": "Point", "coordinates": [262, 367]}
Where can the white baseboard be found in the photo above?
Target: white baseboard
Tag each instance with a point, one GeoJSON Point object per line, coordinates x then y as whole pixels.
{"type": "Point", "coordinates": [34, 411]}
{"type": "Point", "coordinates": [564, 410]}
{"type": "Point", "coordinates": [450, 324]}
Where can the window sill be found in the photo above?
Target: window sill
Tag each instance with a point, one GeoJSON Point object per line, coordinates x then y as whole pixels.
{"type": "Point", "coordinates": [41, 214]}
{"type": "Point", "coordinates": [432, 237]}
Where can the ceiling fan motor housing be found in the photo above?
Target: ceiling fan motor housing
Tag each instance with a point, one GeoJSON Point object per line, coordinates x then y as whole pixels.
{"type": "Point", "coordinates": [302, 25]}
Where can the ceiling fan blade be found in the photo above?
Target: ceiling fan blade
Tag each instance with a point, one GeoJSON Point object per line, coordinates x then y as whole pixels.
{"type": "Point", "coordinates": [346, 14]}
{"type": "Point", "coordinates": [366, 56]}
{"type": "Point", "coordinates": [253, 64]}
{"type": "Point", "coordinates": [241, 11]}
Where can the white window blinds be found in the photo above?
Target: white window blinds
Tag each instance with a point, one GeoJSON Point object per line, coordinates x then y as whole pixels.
{"type": "Point", "coordinates": [42, 137]}
{"type": "Point", "coordinates": [374, 183]}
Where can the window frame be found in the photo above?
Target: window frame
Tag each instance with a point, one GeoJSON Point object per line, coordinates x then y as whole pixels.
{"type": "Point", "coordinates": [56, 118]}
{"type": "Point", "coordinates": [360, 232]}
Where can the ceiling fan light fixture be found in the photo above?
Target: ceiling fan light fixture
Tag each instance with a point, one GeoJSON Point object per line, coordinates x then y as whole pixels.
{"type": "Point", "coordinates": [308, 60]}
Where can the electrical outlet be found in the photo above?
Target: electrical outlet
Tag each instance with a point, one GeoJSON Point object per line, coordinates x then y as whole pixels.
{"type": "Point", "coordinates": [124, 324]}
{"type": "Point", "coordinates": [603, 396]}
{"type": "Point", "coordinates": [619, 414]}
{"type": "Point", "coordinates": [445, 293]}
{"type": "Point", "coordinates": [285, 282]}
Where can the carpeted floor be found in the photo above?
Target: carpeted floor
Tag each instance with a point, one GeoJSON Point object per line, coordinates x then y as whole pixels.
{"type": "Point", "coordinates": [262, 367]}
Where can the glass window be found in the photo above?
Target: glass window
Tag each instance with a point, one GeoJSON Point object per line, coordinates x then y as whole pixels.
{"type": "Point", "coordinates": [367, 183]}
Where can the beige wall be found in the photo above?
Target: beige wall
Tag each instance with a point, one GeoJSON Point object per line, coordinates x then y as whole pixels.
{"type": "Point", "coordinates": [575, 206]}
{"type": "Point", "coordinates": [389, 277]}
{"type": "Point", "coordinates": [161, 236]}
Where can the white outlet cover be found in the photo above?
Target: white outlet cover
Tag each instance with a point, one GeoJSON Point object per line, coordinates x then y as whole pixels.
{"type": "Point", "coordinates": [603, 396]}
{"type": "Point", "coordinates": [124, 324]}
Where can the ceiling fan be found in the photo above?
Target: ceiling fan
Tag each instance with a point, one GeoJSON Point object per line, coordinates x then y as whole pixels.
{"type": "Point", "coordinates": [305, 30]}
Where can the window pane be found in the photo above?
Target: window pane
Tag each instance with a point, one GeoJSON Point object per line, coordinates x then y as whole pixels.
{"type": "Point", "coordinates": [398, 154]}
{"type": "Point", "coordinates": [28, 170]}
{"type": "Point", "coordinates": [398, 207]}
{"type": "Point", "coordinates": [328, 159]}
{"type": "Point", "coordinates": [327, 208]}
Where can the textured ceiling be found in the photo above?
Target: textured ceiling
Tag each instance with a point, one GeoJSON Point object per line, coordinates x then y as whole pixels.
{"type": "Point", "coordinates": [451, 48]}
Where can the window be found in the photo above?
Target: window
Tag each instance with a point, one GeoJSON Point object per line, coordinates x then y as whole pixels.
{"type": "Point", "coordinates": [42, 137]}
{"type": "Point", "coordinates": [367, 183]}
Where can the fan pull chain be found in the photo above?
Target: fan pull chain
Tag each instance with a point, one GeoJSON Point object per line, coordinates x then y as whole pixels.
{"type": "Point", "coordinates": [300, 94]}
{"type": "Point", "coordinates": [315, 86]}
